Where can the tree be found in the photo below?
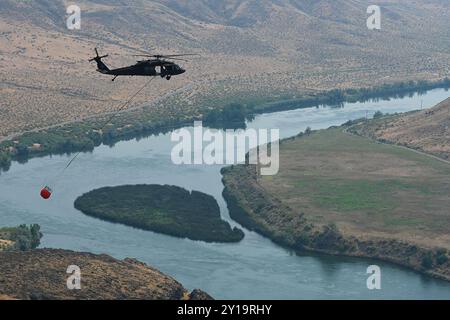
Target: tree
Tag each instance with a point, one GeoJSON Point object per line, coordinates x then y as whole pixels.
{"type": "Point", "coordinates": [36, 235]}
{"type": "Point", "coordinates": [378, 114]}
{"type": "Point", "coordinates": [22, 151]}
{"type": "Point", "coordinates": [5, 160]}
{"type": "Point", "coordinates": [308, 131]}
{"type": "Point", "coordinates": [441, 256]}
{"type": "Point", "coordinates": [427, 261]}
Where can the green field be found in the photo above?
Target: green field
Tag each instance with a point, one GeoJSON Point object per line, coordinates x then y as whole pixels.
{"type": "Point", "coordinates": [342, 194]}
{"type": "Point", "coordinates": [364, 186]}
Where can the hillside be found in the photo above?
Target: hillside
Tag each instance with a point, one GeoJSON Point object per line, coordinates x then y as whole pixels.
{"type": "Point", "coordinates": [427, 130]}
{"type": "Point", "coordinates": [249, 49]}
{"type": "Point", "coordinates": [41, 274]}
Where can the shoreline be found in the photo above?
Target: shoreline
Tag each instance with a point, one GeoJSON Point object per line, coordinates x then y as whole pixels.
{"type": "Point", "coordinates": [241, 216]}
{"type": "Point", "coordinates": [255, 209]}
{"type": "Point", "coordinates": [84, 135]}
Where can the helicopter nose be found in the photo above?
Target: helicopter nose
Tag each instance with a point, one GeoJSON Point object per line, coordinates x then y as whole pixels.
{"type": "Point", "coordinates": [182, 71]}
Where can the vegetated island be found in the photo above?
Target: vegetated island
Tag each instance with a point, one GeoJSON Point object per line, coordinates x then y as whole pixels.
{"type": "Point", "coordinates": [165, 209]}
{"type": "Point", "coordinates": [344, 194]}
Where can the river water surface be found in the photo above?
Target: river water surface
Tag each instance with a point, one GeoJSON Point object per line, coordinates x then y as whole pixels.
{"type": "Point", "coordinates": [255, 268]}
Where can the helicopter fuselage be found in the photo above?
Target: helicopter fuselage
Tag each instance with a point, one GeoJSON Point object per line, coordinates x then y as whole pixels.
{"type": "Point", "coordinates": [146, 68]}
{"type": "Point", "coordinates": [157, 66]}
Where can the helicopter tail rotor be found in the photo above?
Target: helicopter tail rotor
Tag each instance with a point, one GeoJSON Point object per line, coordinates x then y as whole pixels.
{"type": "Point", "coordinates": [98, 57]}
{"type": "Point", "coordinates": [100, 65]}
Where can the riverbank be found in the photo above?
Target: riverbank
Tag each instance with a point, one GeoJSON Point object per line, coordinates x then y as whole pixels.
{"type": "Point", "coordinates": [166, 209]}
{"type": "Point", "coordinates": [137, 123]}
{"type": "Point", "coordinates": [345, 195]}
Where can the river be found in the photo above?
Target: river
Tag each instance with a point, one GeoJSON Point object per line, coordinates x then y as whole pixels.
{"type": "Point", "coordinates": [255, 268]}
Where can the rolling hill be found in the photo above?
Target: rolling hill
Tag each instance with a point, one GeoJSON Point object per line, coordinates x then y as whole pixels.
{"type": "Point", "coordinates": [427, 131]}
{"type": "Point", "coordinates": [265, 48]}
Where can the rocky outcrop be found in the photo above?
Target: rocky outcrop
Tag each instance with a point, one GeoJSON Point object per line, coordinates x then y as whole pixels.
{"type": "Point", "coordinates": [42, 274]}
{"type": "Point", "coordinates": [197, 294]}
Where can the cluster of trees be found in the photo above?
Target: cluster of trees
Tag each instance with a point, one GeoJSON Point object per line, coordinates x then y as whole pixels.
{"type": "Point", "coordinates": [337, 97]}
{"type": "Point", "coordinates": [232, 116]}
{"type": "Point", "coordinates": [74, 138]}
{"type": "Point", "coordinates": [24, 237]}
{"type": "Point", "coordinates": [439, 257]}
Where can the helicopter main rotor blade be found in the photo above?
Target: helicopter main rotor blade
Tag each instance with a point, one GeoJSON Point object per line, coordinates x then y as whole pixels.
{"type": "Point", "coordinates": [161, 56]}
{"type": "Point", "coordinates": [181, 55]}
{"type": "Point", "coordinates": [178, 59]}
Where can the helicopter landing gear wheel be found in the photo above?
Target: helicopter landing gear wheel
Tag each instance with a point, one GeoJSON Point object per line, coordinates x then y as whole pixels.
{"type": "Point", "coordinates": [168, 77]}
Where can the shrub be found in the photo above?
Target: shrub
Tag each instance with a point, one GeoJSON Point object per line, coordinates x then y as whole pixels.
{"type": "Point", "coordinates": [378, 115]}
{"type": "Point", "coordinates": [427, 261]}
{"type": "Point", "coordinates": [441, 256]}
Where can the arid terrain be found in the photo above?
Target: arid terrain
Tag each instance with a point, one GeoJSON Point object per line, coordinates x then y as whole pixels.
{"type": "Point", "coordinates": [248, 48]}
{"type": "Point", "coordinates": [41, 274]}
{"type": "Point", "coordinates": [345, 194]}
{"type": "Point", "coordinates": [427, 130]}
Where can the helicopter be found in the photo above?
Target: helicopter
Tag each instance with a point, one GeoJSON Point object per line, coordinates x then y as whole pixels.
{"type": "Point", "coordinates": [147, 67]}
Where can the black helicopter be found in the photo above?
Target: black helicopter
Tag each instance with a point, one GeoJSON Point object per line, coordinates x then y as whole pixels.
{"type": "Point", "coordinates": [147, 67]}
